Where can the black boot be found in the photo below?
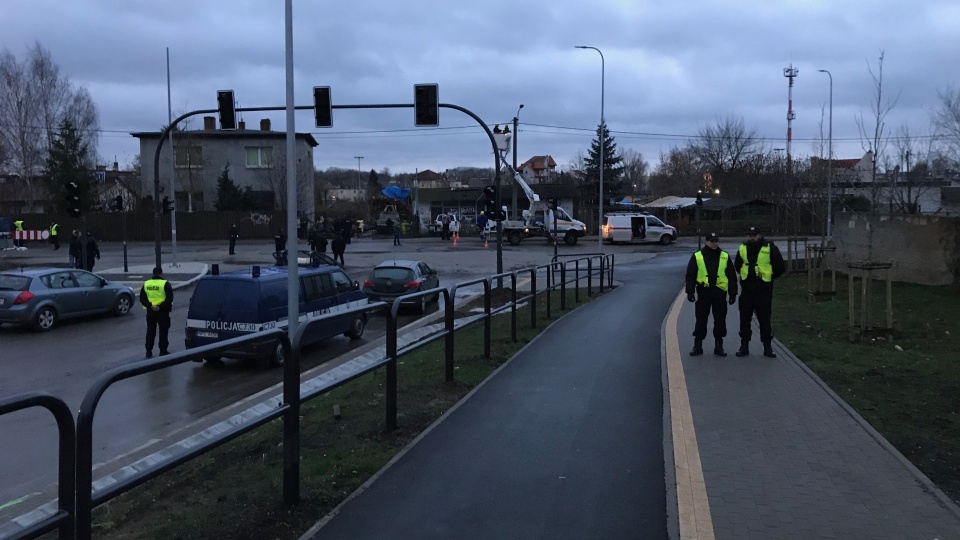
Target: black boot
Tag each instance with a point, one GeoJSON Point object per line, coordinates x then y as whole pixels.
{"type": "Point", "coordinates": [697, 347]}
{"type": "Point", "coordinates": [744, 348]}
{"type": "Point", "coordinates": [718, 348]}
{"type": "Point", "coordinates": [768, 350]}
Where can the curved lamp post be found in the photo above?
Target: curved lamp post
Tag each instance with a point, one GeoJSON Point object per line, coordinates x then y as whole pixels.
{"type": "Point", "coordinates": [602, 150]}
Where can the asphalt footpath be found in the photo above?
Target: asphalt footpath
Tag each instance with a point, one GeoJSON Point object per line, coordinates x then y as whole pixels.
{"type": "Point", "coordinates": [754, 448]}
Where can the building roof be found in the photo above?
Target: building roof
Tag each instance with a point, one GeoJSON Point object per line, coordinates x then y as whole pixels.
{"type": "Point", "coordinates": [539, 162]}
{"type": "Point", "coordinates": [673, 202]}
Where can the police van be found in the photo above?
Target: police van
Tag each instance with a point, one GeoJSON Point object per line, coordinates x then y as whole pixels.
{"type": "Point", "coordinates": [233, 304]}
{"type": "Point", "coordinates": [629, 227]}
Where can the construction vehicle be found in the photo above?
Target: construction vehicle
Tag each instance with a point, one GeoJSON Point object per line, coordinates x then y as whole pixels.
{"type": "Point", "coordinates": [540, 219]}
{"type": "Point", "coordinates": [389, 212]}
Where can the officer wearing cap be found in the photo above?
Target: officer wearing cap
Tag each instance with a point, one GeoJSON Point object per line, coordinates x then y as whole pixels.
{"type": "Point", "coordinates": [156, 296]}
{"type": "Point", "coordinates": [711, 280]}
{"type": "Point", "coordinates": [758, 263]}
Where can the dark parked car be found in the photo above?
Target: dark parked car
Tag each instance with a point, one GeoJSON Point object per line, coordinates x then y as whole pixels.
{"type": "Point", "coordinates": [42, 296]}
{"type": "Point", "coordinates": [395, 278]}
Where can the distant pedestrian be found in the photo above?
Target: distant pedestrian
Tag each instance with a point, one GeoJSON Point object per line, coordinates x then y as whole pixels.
{"type": "Point", "coordinates": [482, 225]}
{"type": "Point", "coordinates": [338, 246]}
{"type": "Point", "coordinates": [711, 276]}
{"type": "Point", "coordinates": [280, 248]}
{"type": "Point", "coordinates": [318, 240]}
{"type": "Point", "coordinates": [233, 235]}
{"type": "Point", "coordinates": [759, 263]}
{"type": "Point", "coordinates": [156, 297]}
{"type": "Point", "coordinates": [395, 229]}
{"type": "Point", "coordinates": [444, 227]}
{"type": "Point", "coordinates": [76, 250]}
{"type": "Point", "coordinates": [93, 252]}
{"type": "Point", "coordinates": [347, 230]}
{"type": "Point", "coordinates": [54, 237]}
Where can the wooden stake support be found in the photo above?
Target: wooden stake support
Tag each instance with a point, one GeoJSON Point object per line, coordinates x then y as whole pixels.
{"type": "Point", "coordinates": [864, 326]}
{"type": "Point", "coordinates": [823, 260]}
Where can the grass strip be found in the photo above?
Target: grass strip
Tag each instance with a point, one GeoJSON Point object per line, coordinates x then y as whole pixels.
{"type": "Point", "coordinates": [908, 394]}
{"type": "Point", "coordinates": [235, 491]}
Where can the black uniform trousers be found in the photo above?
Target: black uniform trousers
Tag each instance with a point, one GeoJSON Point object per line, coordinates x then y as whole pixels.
{"type": "Point", "coordinates": [158, 319]}
{"type": "Point", "coordinates": [759, 301]}
{"type": "Point", "coordinates": [233, 245]}
{"type": "Point", "coordinates": [710, 299]}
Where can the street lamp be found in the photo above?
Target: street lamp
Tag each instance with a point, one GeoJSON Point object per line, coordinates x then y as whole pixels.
{"type": "Point", "coordinates": [830, 163]}
{"type": "Point", "coordinates": [513, 186]}
{"type": "Point", "coordinates": [358, 158]}
{"type": "Point", "coordinates": [502, 139]}
{"type": "Point", "coordinates": [602, 150]}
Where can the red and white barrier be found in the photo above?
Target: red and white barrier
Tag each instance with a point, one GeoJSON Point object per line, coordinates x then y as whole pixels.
{"type": "Point", "coordinates": [31, 235]}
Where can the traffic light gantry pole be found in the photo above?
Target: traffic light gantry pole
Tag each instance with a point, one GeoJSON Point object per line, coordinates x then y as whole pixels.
{"type": "Point", "coordinates": [158, 209]}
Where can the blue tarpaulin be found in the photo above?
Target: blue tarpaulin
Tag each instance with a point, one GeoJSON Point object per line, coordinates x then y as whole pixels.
{"type": "Point", "coordinates": [396, 193]}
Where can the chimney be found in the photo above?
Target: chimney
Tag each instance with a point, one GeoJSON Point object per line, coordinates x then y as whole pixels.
{"type": "Point", "coordinates": [209, 123]}
{"type": "Point", "coordinates": [241, 125]}
{"type": "Point", "coordinates": [116, 166]}
{"type": "Point", "coordinates": [265, 124]}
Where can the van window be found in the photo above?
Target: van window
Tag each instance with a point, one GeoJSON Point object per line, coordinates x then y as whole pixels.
{"type": "Point", "coordinates": [273, 294]}
{"type": "Point", "coordinates": [654, 222]}
{"type": "Point", "coordinates": [606, 219]}
{"type": "Point", "coordinates": [220, 294]}
{"type": "Point", "coordinates": [341, 282]}
{"type": "Point", "coordinates": [562, 214]}
{"type": "Point", "coordinates": [317, 286]}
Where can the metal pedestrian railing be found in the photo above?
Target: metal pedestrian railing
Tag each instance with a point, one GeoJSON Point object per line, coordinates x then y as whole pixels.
{"type": "Point", "coordinates": [77, 498]}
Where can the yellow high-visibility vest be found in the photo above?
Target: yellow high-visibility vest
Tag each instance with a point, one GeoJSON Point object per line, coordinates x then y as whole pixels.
{"type": "Point", "coordinates": [702, 277]}
{"type": "Point", "coordinates": [18, 224]}
{"type": "Point", "coordinates": [155, 291]}
{"type": "Point", "coordinates": [763, 269]}
{"type": "Point", "coordinates": [53, 230]}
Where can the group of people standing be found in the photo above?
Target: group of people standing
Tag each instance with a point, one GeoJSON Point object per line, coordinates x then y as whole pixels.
{"type": "Point", "coordinates": [316, 237]}
{"type": "Point", "coordinates": [76, 251]}
{"type": "Point", "coordinates": [713, 281]}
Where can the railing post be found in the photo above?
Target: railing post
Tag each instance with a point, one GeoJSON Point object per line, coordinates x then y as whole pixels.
{"type": "Point", "coordinates": [533, 302]}
{"type": "Point", "coordinates": [291, 422]}
{"type": "Point", "coordinates": [486, 320]}
{"type": "Point", "coordinates": [513, 307]}
{"type": "Point", "coordinates": [448, 340]}
{"type": "Point", "coordinates": [602, 258]}
{"type": "Point", "coordinates": [576, 282]}
{"type": "Point", "coordinates": [590, 276]}
{"type": "Point", "coordinates": [563, 286]}
{"type": "Point", "coordinates": [391, 368]}
{"type": "Point", "coordinates": [550, 282]}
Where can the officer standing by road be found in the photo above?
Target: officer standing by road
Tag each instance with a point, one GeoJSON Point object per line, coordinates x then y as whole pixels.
{"type": "Point", "coordinates": [233, 234]}
{"type": "Point", "coordinates": [54, 237]}
{"type": "Point", "coordinates": [18, 226]}
{"type": "Point", "coordinates": [93, 252]}
{"type": "Point", "coordinates": [759, 263]}
{"type": "Point", "coordinates": [711, 275]}
{"type": "Point", "coordinates": [76, 250]}
{"type": "Point", "coordinates": [156, 296]}
{"type": "Point", "coordinates": [280, 246]}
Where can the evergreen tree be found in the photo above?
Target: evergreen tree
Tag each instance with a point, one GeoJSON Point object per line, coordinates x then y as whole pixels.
{"type": "Point", "coordinates": [68, 161]}
{"type": "Point", "coordinates": [373, 184]}
{"type": "Point", "coordinates": [612, 164]}
{"type": "Point", "coordinates": [229, 195]}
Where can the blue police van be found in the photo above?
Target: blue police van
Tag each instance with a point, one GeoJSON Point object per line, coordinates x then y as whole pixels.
{"type": "Point", "coordinates": [233, 304]}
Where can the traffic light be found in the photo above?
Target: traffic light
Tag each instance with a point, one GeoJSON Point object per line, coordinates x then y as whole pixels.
{"type": "Point", "coordinates": [426, 105]}
{"type": "Point", "coordinates": [322, 106]}
{"type": "Point", "coordinates": [552, 203]}
{"type": "Point", "coordinates": [72, 195]}
{"type": "Point", "coordinates": [118, 203]}
{"type": "Point", "coordinates": [490, 202]}
{"type": "Point", "coordinates": [167, 205]}
{"type": "Point", "coordinates": [227, 109]}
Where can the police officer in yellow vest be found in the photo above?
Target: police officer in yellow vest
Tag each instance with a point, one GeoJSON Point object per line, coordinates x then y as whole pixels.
{"type": "Point", "coordinates": [710, 274]}
{"type": "Point", "coordinates": [54, 237]}
{"type": "Point", "coordinates": [758, 263]}
{"type": "Point", "coordinates": [156, 296]}
{"type": "Point", "coordinates": [18, 225]}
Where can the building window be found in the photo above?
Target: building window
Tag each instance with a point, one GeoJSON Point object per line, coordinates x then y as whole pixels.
{"type": "Point", "coordinates": [189, 157]}
{"type": "Point", "coordinates": [259, 157]}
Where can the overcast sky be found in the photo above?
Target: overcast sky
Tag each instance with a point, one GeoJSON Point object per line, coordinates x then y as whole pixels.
{"type": "Point", "coordinates": [672, 67]}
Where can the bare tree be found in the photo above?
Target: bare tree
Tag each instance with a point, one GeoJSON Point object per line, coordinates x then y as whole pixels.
{"type": "Point", "coordinates": [908, 179]}
{"type": "Point", "coordinates": [37, 98]}
{"type": "Point", "coordinates": [635, 169]}
{"type": "Point", "coordinates": [725, 147]}
{"type": "Point", "coordinates": [874, 137]}
{"type": "Point", "coordinates": [678, 173]}
{"type": "Point", "coordinates": [946, 121]}
{"type": "Point", "coordinates": [276, 180]}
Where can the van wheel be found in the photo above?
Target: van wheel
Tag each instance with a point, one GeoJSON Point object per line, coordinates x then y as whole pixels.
{"type": "Point", "coordinates": [666, 239]}
{"type": "Point", "coordinates": [277, 358]}
{"type": "Point", "coordinates": [356, 327]}
{"type": "Point", "coordinates": [514, 238]}
{"type": "Point", "coordinates": [570, 238]}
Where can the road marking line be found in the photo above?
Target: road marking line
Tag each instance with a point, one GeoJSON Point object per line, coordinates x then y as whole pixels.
{"type": "Point", "coordinates": [692, 503]}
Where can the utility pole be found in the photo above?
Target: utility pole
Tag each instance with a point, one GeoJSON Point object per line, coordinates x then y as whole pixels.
{"type": "Point", "coordinates": [358, 158]}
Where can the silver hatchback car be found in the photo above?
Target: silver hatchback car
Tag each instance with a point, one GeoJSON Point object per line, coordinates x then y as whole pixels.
{"type": "Point", "coordinates": [42, 296]}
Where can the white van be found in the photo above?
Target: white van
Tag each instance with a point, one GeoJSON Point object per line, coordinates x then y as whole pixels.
{"type": "Point", "coordinates": [636, 227]}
